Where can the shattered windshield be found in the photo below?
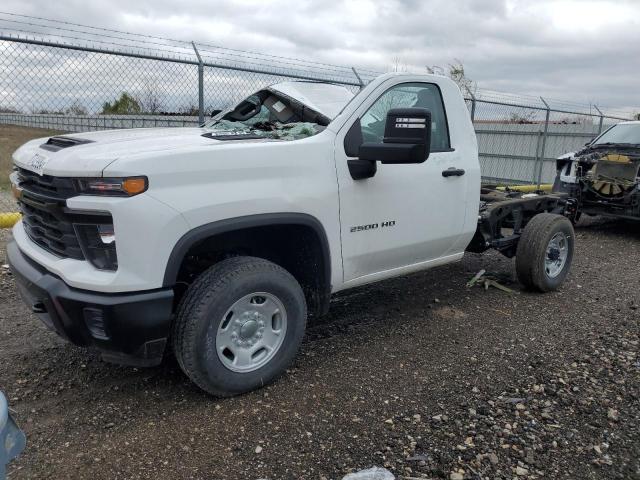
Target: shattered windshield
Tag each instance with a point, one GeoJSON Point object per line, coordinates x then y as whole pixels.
{"type": "Point", "coordinates": [266, 114]}
{"type": "Point", "coordinates": [623, 133]}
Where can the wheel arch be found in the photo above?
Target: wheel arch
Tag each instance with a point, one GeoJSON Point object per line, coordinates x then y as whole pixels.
{"type": "Point", "coordinates": [210, 231]}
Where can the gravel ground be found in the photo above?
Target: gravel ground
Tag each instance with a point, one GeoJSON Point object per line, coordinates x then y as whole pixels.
{"type": "Point", "coordinates": [420, 375]}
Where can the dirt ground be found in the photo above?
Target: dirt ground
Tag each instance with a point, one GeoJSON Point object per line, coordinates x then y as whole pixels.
{"type": "Point", "coordinates": [420, 375]}
{"type": "Point", "coordinates": [11, 137]}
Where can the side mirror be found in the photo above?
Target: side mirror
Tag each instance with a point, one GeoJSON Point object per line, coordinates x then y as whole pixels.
{"type": "Point", "coordinates": [407, 138]}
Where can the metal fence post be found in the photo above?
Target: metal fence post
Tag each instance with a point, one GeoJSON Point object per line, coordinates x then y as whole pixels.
{"type": "Point", "coordinates": [544, 141]}
{"type": "Point", "coordinates": [473, 105]}
{"type": "Point", "coordinates": [200, 85]}
{"type": "Point", "coordinates": [358, 77]}
{"type": "Point", "coordinates": [601, 119]}
{"type": "Point", "coordinates": [536, 158]}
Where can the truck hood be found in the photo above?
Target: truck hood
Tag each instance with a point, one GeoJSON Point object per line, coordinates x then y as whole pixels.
{"type": "Point", "coordinates": [88, 154]}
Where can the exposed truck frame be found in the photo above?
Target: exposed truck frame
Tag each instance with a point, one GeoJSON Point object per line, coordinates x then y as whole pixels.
{"type": "Point", "coordinates": [503, 217]}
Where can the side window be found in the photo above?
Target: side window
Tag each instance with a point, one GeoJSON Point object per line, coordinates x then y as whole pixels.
{"type": "Point", "coordinates": [423, 95]}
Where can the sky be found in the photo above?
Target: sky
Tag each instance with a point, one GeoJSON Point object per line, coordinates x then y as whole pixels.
{"type": "Point", "coordinates": [585, 51]}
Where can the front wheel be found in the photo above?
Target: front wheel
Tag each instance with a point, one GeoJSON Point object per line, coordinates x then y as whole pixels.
{"type": "Point", "coordinates": [545, 252]}
{"type": "Point", "coordinates": [239, 325]}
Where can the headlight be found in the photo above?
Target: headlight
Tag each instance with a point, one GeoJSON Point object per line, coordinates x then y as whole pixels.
{"type": "Point", "coordinates": [119, 187]}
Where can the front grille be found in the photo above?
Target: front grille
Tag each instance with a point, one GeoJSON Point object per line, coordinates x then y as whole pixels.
{"type": "Point", "coordinates": [46, 227]}
{"type": "Point", "coordinates": [45, 216]}
{"type": "Point", "coordinates": [46, 186]}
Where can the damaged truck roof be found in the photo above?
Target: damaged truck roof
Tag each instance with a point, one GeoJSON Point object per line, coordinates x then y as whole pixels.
{"type": "Point", "coordinates": [284, 111]}
{"type": "Point", "coordinates": [324, 98]}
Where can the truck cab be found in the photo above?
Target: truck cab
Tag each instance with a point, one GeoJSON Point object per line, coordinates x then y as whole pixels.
{"type": "Point", "coordinates": [217, 241]}
{"type": "Point", "coordinates": [406, 216]}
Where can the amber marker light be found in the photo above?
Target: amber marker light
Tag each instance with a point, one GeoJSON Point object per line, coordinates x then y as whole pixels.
{"type": "Point", "coordinates": [134, 186]}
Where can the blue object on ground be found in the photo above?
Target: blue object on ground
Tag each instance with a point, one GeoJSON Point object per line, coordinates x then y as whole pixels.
{"type": "Point", "coordinates": [12, 440]}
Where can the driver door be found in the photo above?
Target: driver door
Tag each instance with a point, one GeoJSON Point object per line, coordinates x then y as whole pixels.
{"type": "Point", "coordinates": [406, 214]}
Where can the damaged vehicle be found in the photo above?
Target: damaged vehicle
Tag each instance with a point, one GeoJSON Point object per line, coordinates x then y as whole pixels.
{"type": "Point", "coordinates": [604, 177]}
{"type": "Point", "coordinates": [217, 242]}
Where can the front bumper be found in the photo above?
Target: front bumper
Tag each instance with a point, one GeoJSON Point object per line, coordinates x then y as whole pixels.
{"type": "Point", "coordinates": [127, 328]}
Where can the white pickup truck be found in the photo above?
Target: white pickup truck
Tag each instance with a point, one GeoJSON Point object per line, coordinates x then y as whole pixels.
{"type": "Point", "coordinates": [215, 242]}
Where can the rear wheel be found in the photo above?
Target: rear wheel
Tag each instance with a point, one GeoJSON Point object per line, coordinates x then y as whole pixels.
{"type": "Point", "coordinates": [545, 252]}
{"type": "Point", "coordinates": [239, 325]}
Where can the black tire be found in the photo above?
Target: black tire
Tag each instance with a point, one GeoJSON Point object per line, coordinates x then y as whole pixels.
{"type": "Point", "coordinates": [202, 310]}
{"type": "Point", "coordinates": [532, 251]}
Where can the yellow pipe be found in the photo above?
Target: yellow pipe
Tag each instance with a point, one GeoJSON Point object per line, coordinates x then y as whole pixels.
{"type": "Point", "coordinates": [8, 220]}
{"type": "Point", "coordinates": [528, 188]}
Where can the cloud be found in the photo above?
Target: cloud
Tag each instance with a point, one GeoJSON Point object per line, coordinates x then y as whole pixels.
{"type": "Point", "coordinates": [581, 51]}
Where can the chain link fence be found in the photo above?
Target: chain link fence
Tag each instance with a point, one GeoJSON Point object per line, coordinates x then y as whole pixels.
{"type": "Point", "coordinates": [62, 84]}
{"type": "Point", "coordinates": [81, 88]}
{"type": "Point", "coordinates": [518, 143]}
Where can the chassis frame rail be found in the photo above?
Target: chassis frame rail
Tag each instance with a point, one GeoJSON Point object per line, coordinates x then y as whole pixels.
{"type": "Point", "coordinates": [504, 215]}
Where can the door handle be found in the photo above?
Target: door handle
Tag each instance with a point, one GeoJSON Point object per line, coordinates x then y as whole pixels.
{"type": "Point", "coordinates": [453, 172]}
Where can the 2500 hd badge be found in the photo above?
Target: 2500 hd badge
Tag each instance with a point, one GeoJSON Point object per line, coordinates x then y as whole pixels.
{"type": "Point", "coordinates": [373, 226]}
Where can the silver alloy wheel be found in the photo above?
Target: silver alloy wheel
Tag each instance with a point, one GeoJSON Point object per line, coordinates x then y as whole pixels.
{"type": "Point", "coordinates": [556, 256]}
{"type": "Point", "coordinates": [251, 332]}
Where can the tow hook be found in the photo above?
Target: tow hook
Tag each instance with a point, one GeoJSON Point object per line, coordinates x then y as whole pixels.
{"type": "Point", "coordinates": [38, 307]}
